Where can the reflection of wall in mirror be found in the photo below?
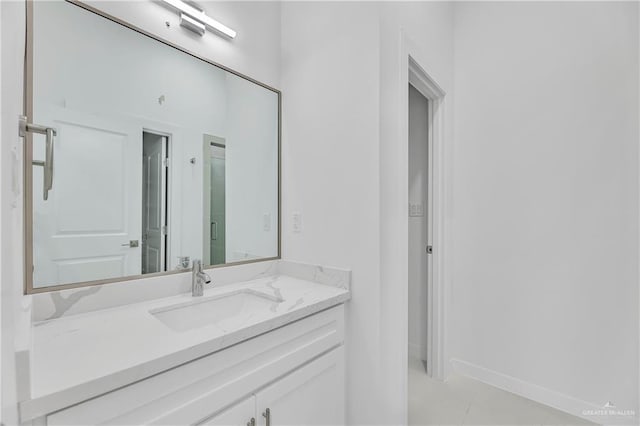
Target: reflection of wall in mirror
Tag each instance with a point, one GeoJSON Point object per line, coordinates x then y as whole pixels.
{"type": "Point", "coordinates": [252, 164]}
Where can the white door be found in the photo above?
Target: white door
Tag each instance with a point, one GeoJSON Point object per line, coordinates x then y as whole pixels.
{"type": "Point", "coordinates": [90, 227]}
{"type": "Point", "coordinates": [239, 414]}
{"type": "Point", "coordinates": [312, 395]}
{"type": "Point", "coordinates": [154, 189]}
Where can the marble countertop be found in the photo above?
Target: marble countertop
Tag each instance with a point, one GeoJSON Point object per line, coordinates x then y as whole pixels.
{"type": "Point", "coordinates": [80, 356]}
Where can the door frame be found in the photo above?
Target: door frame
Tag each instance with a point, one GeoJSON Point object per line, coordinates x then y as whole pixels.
{"type": "Point", "coordinates": [423, 83]}
{"type": "Point", "coordinates": [168, 214]}
{"type": "Point", "coordinates": [402, 56]}
{"type": "Point", "coordinates": [167, 193]}
{"type": "Point", "coordinates": [208, 140]}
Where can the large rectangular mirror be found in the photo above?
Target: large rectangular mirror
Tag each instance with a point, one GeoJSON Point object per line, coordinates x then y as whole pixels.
{"type": "Point", "coordinates": [154, 156]}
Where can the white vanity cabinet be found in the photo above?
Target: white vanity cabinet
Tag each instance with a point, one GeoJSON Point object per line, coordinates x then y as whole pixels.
{"type": "Point", "coordinates": [311, 395]}
{"type": "Point", "coordinates": [296, 371]}
{"type": "Point", "coordinates": [308, 396]}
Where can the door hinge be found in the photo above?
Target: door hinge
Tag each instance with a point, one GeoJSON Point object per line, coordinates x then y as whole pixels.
{"type": "Point", "coordinates": [429, 249]}
{"type": "Point", "coordinates": [165, 162]}
{"type": "Point", "coordinates": [165, 230]}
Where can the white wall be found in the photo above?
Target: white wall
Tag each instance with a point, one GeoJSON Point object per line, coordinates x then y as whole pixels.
{"type": "Point", "coordinates": [346, 171]}
{"type": "Point", "coordinates": [330, 77]}
{"type": "Point", "coordinates": [546, 198]}
{"type": "Point", "coordinates": [418, 187]}
{"type": "Point", "coordinates": [13, 336]}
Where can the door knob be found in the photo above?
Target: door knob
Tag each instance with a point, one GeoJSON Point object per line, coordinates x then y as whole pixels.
{"type": "Point", "coordinates": [131, 243]}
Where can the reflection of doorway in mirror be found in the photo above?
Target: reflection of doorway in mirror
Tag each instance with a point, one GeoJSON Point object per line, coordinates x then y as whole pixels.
{"type": "Point", "coordinates": [214, 168]}
{"type": "Point", "coordinates": [154, 202]}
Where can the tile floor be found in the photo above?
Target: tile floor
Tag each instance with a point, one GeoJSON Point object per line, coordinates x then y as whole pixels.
{"type": "Point", "coordinates": [464, 401]}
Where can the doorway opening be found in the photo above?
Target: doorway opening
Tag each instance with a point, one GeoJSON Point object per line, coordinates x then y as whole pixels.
{"type": "Point", "coordinates": [214, 173]}
{"type": "Point", "coordinates": [155, 177]}
{"type": "Point", "coordinates": [420, 229]}
{"type": "Point", "coordinates": [425, 302]}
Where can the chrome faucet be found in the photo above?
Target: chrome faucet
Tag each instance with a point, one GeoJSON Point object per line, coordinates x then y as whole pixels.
{"type": "Point", "coordinates": [198, 278]}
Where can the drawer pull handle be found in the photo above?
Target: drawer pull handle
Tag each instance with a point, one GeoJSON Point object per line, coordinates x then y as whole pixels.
{"type": "Point", "coordinates": [267, 415]}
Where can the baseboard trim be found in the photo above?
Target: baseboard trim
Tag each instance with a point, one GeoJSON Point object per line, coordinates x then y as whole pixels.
{"type": "Point", "coordinates": [542, 395]}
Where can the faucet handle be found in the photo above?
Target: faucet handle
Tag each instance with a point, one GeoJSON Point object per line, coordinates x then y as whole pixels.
{"type": "Point", "coordinates": [183, 262]}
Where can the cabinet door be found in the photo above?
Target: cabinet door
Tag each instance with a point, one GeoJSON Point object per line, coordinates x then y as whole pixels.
{"type": "Point", "coordinates": [311, 395]}
{"type": "Point", "coordinates": [239, 414]}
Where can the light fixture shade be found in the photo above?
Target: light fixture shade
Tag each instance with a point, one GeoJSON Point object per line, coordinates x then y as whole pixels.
{"type": "Point", "coordinates": [200, 17]}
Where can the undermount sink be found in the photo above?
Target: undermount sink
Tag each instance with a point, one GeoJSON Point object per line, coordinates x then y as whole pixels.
{"type": "Point", "coordinates": [238, 306]}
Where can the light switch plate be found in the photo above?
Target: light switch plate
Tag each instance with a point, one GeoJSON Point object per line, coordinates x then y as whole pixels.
{"type": "Point", "coordinates": [266, 222]}
{"type": "Point", "coordinates": [296, 222]}
{"type": "Point", "coordinates": [416, 210]}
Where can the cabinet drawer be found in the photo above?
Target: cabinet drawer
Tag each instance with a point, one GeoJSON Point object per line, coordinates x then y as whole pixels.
{"type": "Point", "coordinates": [191, 392]}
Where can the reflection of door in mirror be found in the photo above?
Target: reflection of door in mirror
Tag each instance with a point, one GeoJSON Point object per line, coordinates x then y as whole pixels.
{"type": "Point", "coordinates": [154, 203]}
{"type": "Point", "coordinates": [88, 228]}
{"type": "Point", "coordinates": [214, 149]}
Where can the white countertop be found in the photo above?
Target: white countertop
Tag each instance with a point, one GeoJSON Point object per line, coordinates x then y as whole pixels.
{"type": "Point", "coordinates": [80, 356]}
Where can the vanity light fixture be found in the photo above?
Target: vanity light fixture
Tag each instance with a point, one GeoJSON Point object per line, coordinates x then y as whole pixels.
{"type": "Point", "coordinates": [196, 20]}
{"type": "Point", "coordinates": [191, 24]}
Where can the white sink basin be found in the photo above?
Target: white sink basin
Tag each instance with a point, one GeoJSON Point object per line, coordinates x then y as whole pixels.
{"type": "Point", "coordinates": [225, 309]}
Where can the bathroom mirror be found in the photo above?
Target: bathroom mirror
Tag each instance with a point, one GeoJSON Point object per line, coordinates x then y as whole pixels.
{"type": "Point", "coordinates": [141, 156]}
